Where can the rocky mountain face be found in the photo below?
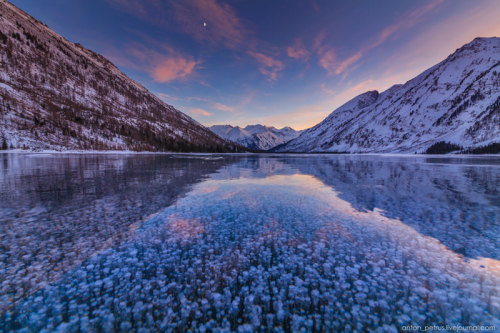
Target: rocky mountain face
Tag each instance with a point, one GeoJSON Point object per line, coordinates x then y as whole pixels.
{"type": "Point", "coordinates": [456, 103]}
{"type": "Point", "coordinates": [58, 95]}
{"type": "Point", "coordinates": [257, 137]}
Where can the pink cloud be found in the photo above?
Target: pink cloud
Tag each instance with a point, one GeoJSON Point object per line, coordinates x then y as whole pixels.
{"type": "Point", "coordinates": [223, 107]}
{"type": "Point", "coordinates": [406, 22]}
{"type": "Point", "coordinates": [223, 26]}
{"type": "Point", "coordinates": [348, 62]}
{"type": "Point", "coordinates": [326, 55]}
{"type": "Point", "coordinates": [269, 66]}
{"type": "Point", "coordinates": [362, 86]}
{"type": "Point", "coordinates": [327, 60]}
{"type": "Point", "coordinates": [200, 112]}
{"type": "Point", "coordinates": [173, 68]}
{"type": "Point", "coordinates": [298, 51]}
{"type": "Point", "coordinates": [265, 60]}
{"type": "Point", "coordinates": [167, 97]}
{"type": "Point", "coordinates": [162, 63]}
{"type": "Point", "coordinates": [318, 40]}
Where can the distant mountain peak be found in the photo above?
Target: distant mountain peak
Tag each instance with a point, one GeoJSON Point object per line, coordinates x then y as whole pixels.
{"type": "Point", "coordinates": [259, 137]}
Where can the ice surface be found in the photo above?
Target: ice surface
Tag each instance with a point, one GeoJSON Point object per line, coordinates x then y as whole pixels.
{"type": "Point", "coordinates": [285, 243]}
{"type": "Point", "coordinates": [56, 210]}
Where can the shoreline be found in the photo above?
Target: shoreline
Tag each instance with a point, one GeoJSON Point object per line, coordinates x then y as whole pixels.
{"type": "Point", "coordinates": [131, 152]}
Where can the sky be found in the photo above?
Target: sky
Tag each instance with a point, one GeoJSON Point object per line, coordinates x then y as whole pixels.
{"type": "Point", "coordinates": [278, 63]}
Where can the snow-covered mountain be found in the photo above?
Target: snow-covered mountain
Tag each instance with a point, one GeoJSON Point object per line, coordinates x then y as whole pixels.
{"type": "Point", "coordinates": [60, 95]}
{"type": "Point", "coordinates": [456, 101]}
{"type": "Point", "coordinates": [258, 136]}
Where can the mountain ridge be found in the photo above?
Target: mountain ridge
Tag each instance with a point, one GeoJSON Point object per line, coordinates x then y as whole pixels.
{"type": "Point", "coordinates": [257, 137]}
{"type": "Point", "coordinates": [456, 100]}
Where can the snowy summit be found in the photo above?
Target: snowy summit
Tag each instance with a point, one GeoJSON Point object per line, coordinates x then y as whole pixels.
{"type": "Point", "coordinates": [258, 136]}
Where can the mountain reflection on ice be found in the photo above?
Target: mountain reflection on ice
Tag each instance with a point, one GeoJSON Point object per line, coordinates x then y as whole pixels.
{"type": "Point", "coordinates": [295, 243]}
{"type": "Point", "coordinates": [453, 199]}
{"type": "Point", "coordinates": [58, 210]}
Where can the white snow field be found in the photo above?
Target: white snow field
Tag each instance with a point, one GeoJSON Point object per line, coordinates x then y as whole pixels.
{"type": "Point", "coordinates": [265, 244]}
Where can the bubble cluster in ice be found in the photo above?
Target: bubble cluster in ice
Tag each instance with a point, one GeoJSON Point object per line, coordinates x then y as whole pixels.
{"type": "Point", "coordinates": [282, 253]}
{"type": "Point", "coordinates": [58, 210]}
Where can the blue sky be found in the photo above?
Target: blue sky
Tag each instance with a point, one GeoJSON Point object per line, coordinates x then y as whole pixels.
{"type": "Point", "coordinates": [280, 63]}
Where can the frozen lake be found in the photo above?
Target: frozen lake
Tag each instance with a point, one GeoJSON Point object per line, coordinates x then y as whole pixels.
{"type": "Point", "coordinates": [248, 243]}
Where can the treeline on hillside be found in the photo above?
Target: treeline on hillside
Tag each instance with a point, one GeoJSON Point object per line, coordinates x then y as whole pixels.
{"type": "Point", "coordinates": [443, 147]}
{"type": "Point", "coordinates": [492, 148]}
{"type": "Point", "coordinates": [4, 145]}
{"type": "Point", "coordinates": [75, 126]}
{"type": "Point", "coordinates": [60, 98]}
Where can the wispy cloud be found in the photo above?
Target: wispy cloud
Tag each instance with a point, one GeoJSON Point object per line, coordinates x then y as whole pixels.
{"type": "Point", "coordinates": [200, 112]}
{"type": "Point", "coordinates": [436, 41]}
{"type": "Point", "coordinates": [332, 65]}
{"type": "Point", "coordinates": [224, 28]}
{"type": "Point", "coordinates": [223, 107]}
{"type": "Point", "coordinates": [298, 50]}
{"type": "Point", "coordinates": [432, 45]}
{"type": "Point", "coordinates": [207, 21]}
{"type": "Point", "coordinates": [163, 63]}
{"type": "Point", "coordinates": [269, 66]}
{"type": "Point", "coordinates": [183, 99]}
{"type": "Point", "coordinates": [197, 98]}
{"type": "Point", "coordinates": [327, 60]}
{"type": "Point", "coordinates": [327, 57]}
{"type": "Point", "coordinates": [242, 102]}
{"type": "Point", "coordinates": [344, 64]}
{"type": "Point", "coordinates": [406, 22]}
{"type": "Point", "coordinates": [223, 25]}
{"type": "Point", "coordinates": [173, 68]}
{"type": "Point", "coordinates": [167, 97]}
